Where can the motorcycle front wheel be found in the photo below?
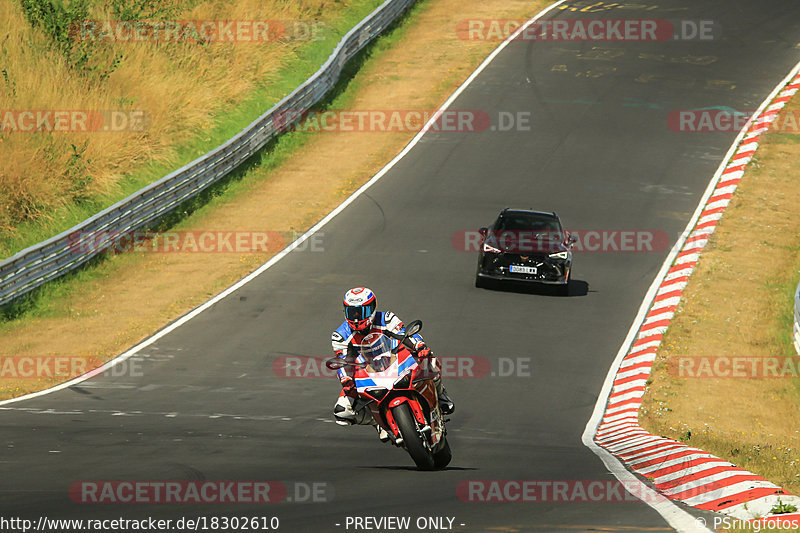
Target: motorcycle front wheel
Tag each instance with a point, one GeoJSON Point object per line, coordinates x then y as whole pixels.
{"type": "Point", "coordinates": [412, 439]}
{"type": "Point", "coordinates": [442, 458]}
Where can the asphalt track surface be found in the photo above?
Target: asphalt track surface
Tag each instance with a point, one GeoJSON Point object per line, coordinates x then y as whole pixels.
{"type": "Point", "coordinates": [208, 404]}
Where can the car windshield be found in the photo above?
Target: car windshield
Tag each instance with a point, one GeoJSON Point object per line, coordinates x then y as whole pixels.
{"type": "Point", "coordinates": [527, 222]}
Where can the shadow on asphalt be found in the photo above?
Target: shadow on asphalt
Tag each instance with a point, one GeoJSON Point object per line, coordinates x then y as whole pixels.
{"type": "Point", "coordinates": [414, 468]}
{"type": "Point", "coordinates": [576, 288]}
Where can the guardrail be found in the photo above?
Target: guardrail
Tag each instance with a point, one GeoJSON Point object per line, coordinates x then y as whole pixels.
{"type": "Point", "coordinates": [65, 252]}
{"type": "Point", "coordinates": [796, 326]}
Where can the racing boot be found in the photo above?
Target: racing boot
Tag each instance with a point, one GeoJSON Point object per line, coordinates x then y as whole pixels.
{"type": "Point", "coordinates": [349, 411]}
{"type": "Point", "coordinates": [383, 435]}
{"type": "Point", "coordinates": [343, 412]}
{"type": "Point", "coordinates": [445, 403]}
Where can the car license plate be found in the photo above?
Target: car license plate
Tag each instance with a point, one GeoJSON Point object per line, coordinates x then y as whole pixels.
{"type": "Point", "coordinates": [519, 269]}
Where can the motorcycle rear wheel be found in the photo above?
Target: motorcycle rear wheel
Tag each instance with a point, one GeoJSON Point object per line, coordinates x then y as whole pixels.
{"type": "Point", "coordinates": [411, 437]}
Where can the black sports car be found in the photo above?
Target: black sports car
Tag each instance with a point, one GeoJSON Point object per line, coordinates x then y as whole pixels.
{"type": "Point", "coordinates": [526, 245]}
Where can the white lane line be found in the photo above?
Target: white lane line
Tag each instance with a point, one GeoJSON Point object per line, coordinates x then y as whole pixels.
{"type": "Point", "coordinates": [168, 414]}
{"type": "Point", "coordinates": [676, 517]}
{"type": "Point", "coordinates": [300, 240]}
{"type": "Point", "coordinates": [303, 238]}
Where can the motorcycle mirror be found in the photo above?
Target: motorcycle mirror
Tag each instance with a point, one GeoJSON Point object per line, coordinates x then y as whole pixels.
{"type": "Point", "coordinates": [335, 363]}
{"type": "Point", "coordinates": [413, 328]}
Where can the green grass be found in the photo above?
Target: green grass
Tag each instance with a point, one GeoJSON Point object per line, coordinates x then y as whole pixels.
{"type": "Point", "coordinates": [47, 300]}
{"type": "Point", "coordinates": [792, 138]}
{"type": "Point", "coordinates": [228, 123]}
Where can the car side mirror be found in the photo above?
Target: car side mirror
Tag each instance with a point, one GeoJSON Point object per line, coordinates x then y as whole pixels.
{"type": "Point", "coordinates": [483, 232]}
{"type": "Point", "coordinates": [571, 239]}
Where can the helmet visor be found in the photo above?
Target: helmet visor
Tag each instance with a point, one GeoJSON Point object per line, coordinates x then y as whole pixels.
{"type": "Point", "coordinates": [358, 313]}
{"type": "Point", "coordinates": [376, 345]}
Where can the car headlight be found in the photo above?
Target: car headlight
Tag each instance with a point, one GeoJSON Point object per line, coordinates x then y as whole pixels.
{"type": "Point", "coordinates": [559, 255]}
{"type": "Point", "coordinates": [491, 249]}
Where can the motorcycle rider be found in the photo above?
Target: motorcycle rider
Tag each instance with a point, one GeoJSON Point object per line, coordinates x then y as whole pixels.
{"type": "Point", "coordinates": [361, 319]}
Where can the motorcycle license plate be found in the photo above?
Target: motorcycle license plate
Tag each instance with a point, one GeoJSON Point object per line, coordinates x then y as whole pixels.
{"type": "Point", "coordinates": [519, 269]}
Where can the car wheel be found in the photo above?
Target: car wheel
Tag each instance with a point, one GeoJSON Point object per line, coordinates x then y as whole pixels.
{"type": "Point", "coordinates": [563, 290]}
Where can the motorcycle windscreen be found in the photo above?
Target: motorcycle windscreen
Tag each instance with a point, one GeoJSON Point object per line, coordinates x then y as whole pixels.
{"type": "Point", "coordinates": [376, 348]}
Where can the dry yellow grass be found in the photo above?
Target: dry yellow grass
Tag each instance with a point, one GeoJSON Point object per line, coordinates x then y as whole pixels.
{"type": "Point", "coordinates": [133, 294]}
{"type": "Point", "coordinates": [180, 86]}
{"type": "Point", "coordinates": [737, 303]}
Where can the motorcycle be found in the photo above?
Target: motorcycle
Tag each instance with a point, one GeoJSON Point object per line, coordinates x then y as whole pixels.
{"type": "Point", "coordinates": [399, 392]}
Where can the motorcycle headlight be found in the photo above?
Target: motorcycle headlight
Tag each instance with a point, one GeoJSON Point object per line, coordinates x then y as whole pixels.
{"type": "Point", "coordinates": [404, 382]}
{"type": "Point", "coordinates": [378, 393]}
{"type": "Point", "coordinates": [491, 249]}
{"type": "Point", "coordinates": [559, 255]}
